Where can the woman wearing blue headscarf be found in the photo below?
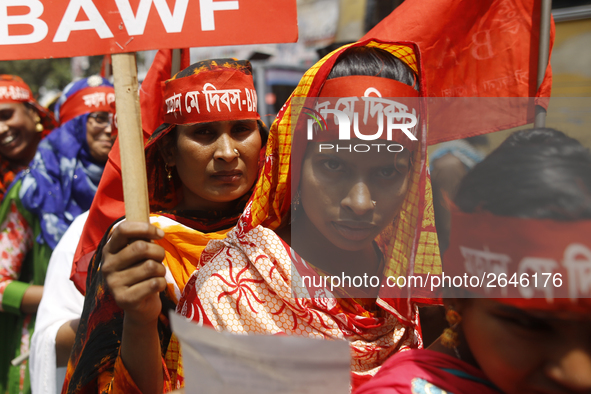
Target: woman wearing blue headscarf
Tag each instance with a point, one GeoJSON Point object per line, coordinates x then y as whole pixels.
{"type": "Point", "coordinates": [39, 207]}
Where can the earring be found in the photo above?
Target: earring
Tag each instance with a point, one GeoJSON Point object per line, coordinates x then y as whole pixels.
{"type": "Point", "coordinates": [449, 338]}
{"type": "Point", "coordinates": [374, 203]}
{"type": "Point", "coordinates": [236, 152]}
{"type": "Point", "coordinates": [38, 126]}
{"type": "Point", "coordinates": [168, 172]}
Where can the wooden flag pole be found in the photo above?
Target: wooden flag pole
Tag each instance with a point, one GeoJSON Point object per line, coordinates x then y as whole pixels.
{"type": "Point", "coordinates": [176, 62]}
{"type": "Point", "coordinates": [131, 141]}
{"type": "Point", "coordinates": [543, 56]}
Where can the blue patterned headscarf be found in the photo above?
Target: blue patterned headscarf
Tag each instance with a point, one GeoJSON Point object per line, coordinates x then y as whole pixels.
{"type": "Point", "coordinates": [63, 178]}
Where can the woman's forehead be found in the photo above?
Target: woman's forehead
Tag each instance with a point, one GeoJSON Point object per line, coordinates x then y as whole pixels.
{"type": "Point", "coordinates": [10, 105]}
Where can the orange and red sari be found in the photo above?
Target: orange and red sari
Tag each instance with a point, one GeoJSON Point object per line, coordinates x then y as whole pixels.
{"type": "Point", "coordinates": [95, 364]}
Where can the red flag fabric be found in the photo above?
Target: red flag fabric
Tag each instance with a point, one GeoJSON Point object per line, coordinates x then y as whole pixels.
{"type": "Point", "coordinates": [108, 205]}
{"type": "Point", "coordinates": [486, 49]}
{"type": "Point", "coordinates": [151, 92]}
{"type": "Point", "coordinates": [106, 67]}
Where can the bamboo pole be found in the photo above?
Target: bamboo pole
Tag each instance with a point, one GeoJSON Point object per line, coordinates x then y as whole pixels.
{"type": "Point", "coordinates": [131, 141]}
{"type": "Point", "coordinates": [176, 62]}
{"type": "Point", "coordinates": [108, 66]}
{"type": "Point", "coordinates": [543, 56]}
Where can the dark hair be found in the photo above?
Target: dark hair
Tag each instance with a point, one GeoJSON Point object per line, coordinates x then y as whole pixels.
{"type": "Point", "coordinates": [264, 131]}
{"type": "Point", "coordinates": [373, 62]}
{"type": "Point", "coordinates": [542, 135]}
{"type": "Point", "coordinates": [243, 66]}
{"type": "Point", "coordinates": [536, 173]}
{"type": "Point", "coordinates": [30, 106]}
{"type": "Point", "coordinates": [477, 140]}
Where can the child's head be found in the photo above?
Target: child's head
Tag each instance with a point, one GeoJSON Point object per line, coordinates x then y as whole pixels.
{"type": "Point", "coordinates": [531, 345]}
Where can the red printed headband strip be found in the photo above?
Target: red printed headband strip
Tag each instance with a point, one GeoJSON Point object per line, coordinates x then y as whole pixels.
{"type": "Point", "coordinates": [210, 97]}
{"type": "Point", "coordinates": [15, 91]}
{"type": "Point", "coordinates": [87, 100]}
{"type": "Point", "coordinates": [366, 108]}
{"type": "Point", "coordinates": [542, 264]}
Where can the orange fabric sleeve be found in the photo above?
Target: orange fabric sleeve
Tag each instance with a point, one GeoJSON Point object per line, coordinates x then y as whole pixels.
{"type": "Point", "coordinates": [118, 380]}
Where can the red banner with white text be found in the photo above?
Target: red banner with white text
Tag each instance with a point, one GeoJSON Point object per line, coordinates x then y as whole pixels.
{"type": "Point", "coordinates": [33, 29]}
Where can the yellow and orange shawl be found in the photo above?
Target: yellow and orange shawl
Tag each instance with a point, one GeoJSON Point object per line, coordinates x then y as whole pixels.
{"type": "Point", "coordinates": [411, 242]}
{"type": "Point", "coordinates": [249, 283]}
{"type": "Point", "coordinates": [95, 365]}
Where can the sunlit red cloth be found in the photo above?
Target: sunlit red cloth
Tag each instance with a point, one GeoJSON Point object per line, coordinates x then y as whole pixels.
{"type": "Point", "coordinates": [427, 372]}
{"type": "Point", "coordinates": [244, 284]}
{"type": "Point", "coordinates": [487, 48]}
{"type": "Point", "coordinates": [95, 365]}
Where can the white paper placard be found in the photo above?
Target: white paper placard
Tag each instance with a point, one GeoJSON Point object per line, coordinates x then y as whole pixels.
{"type": "Point", "coordinates": [224, 363]}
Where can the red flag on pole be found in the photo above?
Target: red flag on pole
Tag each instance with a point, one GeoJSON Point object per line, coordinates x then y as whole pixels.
{"type": "Point", "coordinates": [485, 48]}
{"type": "Point", "coordinates": [106, 67]}
{"type": "Point", "coordinates": [108, 205]}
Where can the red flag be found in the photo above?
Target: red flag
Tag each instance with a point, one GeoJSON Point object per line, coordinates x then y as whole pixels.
{"type": "Point", "coordinates": [151, 92]}
{"type": "Point", "coordinates": [106, 67]}
{"type": "Point", "coordinates": [108, 205]}
{"type": "Point", "coordinates": [484, 48]}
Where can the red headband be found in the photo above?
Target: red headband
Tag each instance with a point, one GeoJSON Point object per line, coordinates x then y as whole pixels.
{"type": "Point", "coordinates": [210, 96]}
{"type": "Point", "coordinates": [515, 254]}
{"type": "Point", "coordinates": [15, 91]}
{"type": "Point", "coordinates": [87, 100]}
{"type": "Point", "coordinates": [353, 94]}
{"type": "Point", "coordinates": [370, 103]}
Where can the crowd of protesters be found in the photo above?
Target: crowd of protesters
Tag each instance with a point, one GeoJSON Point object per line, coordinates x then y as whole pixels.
{"type": "Point", "coordinates": [240, 213]}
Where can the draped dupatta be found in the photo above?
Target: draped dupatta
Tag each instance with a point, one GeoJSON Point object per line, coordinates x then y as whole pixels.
{"type": "Point", "coordinates": [251, 281]}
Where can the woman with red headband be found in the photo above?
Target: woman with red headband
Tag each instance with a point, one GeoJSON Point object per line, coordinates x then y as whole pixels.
{"type": "Point", "coordinates": [41, 203]}
{"type": "Point", "coordinates": [202, 163]}
{"type": "Point", "coordinates": [23, 123]}
{"type": "Point", "coordinates": [338, 208]}
{"type": "Point", "coordinates": [522, 224]}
